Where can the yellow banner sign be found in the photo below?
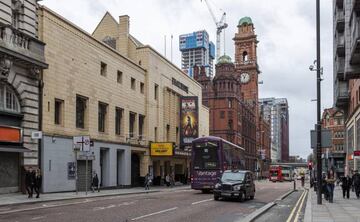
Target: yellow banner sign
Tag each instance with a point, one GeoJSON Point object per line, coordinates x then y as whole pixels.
{"type": "Point", "coordinates": [161, 149]}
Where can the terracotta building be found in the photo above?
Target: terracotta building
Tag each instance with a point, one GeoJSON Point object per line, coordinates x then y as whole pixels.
{"type": "Point", "coordinates": [333, 119]}
{"type": "Point", "coordinates": [232, 96]}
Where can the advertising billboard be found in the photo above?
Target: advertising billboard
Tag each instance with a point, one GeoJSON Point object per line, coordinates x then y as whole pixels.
{"type": "Point", "coordinates": [189, 120]}
{"type": "Point", "coordinates": [161, 149]}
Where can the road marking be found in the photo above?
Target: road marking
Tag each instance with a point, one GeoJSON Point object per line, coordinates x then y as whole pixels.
{"type": "Point", "coordinates": [155, 213]}
{"type": "Point", "coordinates": [37, 218]}
{"type": "Point", "coordinates": [112, 205]}
{"type": "Point", "coordinates": [300, 207]}
{"type": "Point", "coordinates": [201, 201]}
{"type": "Point", "coordinates": [296, 205]}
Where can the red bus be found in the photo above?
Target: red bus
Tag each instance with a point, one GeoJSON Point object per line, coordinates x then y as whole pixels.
{"type": "Point", "coordinates": [280, 173]}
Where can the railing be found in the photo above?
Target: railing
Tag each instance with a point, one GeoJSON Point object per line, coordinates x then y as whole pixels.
{"type": "Point", "coordinates": [131, 138]}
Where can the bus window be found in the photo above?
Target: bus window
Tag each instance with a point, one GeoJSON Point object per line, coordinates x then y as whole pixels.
{"type": "Point", "coordinates": [206, 156]}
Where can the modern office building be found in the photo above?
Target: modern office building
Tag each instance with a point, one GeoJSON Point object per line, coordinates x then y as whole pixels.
{"type": "Point", "coordinates": [346, 71]}
{"type": "Point", "coordinates": [196, 49]}
{"type": "Point", "coordinates": [276, 111]}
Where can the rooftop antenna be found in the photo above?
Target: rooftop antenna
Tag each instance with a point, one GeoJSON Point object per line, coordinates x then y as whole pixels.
{"type": "Point", "coordinates": [171, 51]}
{"type": "Point", "coordinates": [165, 45]}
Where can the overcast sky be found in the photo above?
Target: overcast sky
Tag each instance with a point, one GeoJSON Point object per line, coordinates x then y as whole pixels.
{"type": "Point", "coordinates": [285, 29]}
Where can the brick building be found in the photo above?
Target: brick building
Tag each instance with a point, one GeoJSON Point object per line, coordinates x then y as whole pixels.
{"type": "Point", "coordinates": [333, 119]}
{"type": "Point", "coordinates": [232, 96]}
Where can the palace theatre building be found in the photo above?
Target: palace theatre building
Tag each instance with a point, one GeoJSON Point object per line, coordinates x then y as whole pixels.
{"type": "Point", "coordinates": [21, 62]}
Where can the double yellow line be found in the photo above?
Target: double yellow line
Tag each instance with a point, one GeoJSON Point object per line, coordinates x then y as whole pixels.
{"type": "Point", "coordinates": [298, 207]}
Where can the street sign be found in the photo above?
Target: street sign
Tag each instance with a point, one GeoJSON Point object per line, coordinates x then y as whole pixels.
{"type": "Point", "coordinates": [325, 138]}
{"type": "Point", "coordinates": [356, 152]}
{"type": "Point", "coordinates": [84, 142]}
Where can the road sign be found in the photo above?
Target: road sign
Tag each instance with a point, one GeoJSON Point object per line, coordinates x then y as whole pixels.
{"type": "Point", "coordinates": [325, 138]}
{"type": "Point", "coordinates": [84, 142]}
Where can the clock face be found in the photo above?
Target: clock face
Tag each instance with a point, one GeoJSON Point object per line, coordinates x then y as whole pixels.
{"type": "Point", "coordinates": [245, 78]}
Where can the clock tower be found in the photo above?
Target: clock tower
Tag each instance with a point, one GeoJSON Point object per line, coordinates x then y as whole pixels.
{"type": "Point", "coordinates": [246, 60]}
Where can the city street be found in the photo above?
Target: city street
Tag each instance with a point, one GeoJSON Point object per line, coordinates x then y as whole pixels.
{"type": "Point", "coordinates": [171, 205]}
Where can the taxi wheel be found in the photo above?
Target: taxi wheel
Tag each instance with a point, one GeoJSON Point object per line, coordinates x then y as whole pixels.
{"type": "Point", "coordinates": [216, 197]}
{"type": "Point", "coordinates": [241, 196]}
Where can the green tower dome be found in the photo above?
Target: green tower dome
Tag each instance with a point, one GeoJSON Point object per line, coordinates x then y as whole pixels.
{"type": "Point", "coordinates": [245, 21]}
{"type": "Point", "coordinates": [225, 59]}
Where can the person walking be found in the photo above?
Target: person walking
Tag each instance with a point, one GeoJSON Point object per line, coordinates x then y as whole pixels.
{"type": "Point", "coordinates": [95, 183]}
{"type": "Point", "coordinates": [29, 182]}
{"type": "Point", "coordinates": [330, 183]}
{"type": "Point", "coordinates": [167, 180]}
{"type": "Point", "coordinates": [356, 183]}
{"type": "Point", "coordinates": [346, 183]}
{"type": "Point", "coordinates": [147, 182]}
{"type": "Point", "coordinates": [37, 182]}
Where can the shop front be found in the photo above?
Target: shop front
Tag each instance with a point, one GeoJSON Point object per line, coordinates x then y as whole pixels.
{"type": "Point", "coordinates": [166, 160]}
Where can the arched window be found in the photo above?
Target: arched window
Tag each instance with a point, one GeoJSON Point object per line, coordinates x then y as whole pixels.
{"type": "Point", "coordinates": [8, 99]}
{"type": "Point", "coordinates": [245, 56]}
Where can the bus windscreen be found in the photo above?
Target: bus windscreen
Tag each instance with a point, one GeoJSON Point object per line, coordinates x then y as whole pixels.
{"type": "Point", "coordinates": [206, 156]}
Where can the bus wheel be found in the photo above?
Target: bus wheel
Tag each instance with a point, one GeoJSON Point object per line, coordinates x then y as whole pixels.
{"type": "Point", "coordinates": [216, 197]}
{"type": "Point", "coordinates": [204, 191]}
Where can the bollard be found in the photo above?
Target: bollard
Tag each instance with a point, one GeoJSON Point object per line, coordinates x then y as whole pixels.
{"type": "Point", "coordinates": [294, 185]}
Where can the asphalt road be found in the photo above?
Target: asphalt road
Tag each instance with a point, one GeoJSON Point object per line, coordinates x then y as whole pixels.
{"type": "Point", "coordinates": [171, 205]}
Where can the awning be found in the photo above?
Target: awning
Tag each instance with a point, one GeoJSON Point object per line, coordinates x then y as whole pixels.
{"type": "Point", "coordinates": [14, 149]}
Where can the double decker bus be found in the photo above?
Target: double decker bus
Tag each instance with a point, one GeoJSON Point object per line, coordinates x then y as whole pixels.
{"type": "Point", "coordinates": [211, 156]}
{"type": "Point", "coordinates": [280, 173]}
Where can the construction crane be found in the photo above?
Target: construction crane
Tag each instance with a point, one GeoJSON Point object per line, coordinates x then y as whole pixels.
{"type": "Point", "coordinates": [220, 25]}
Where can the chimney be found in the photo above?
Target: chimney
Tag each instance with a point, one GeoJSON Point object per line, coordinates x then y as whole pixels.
{"type": "Point", "coordinates": [124, 27]}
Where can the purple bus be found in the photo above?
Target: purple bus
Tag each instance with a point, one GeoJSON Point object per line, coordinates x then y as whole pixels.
{"type": "Point", "coordinates": [210, 157]}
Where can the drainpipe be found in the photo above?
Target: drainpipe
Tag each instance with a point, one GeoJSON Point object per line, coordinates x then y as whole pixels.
{"type": "Point", "coordinates": [41, 86]}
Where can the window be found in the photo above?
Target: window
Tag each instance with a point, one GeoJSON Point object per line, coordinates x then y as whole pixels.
{"type": "Point", "coordinates": [132, 119]}
{"type": "Point", "coordinates": [81, 103]}
{"type": "Point", "coordinates": [167, 132]}
{"type": "Point", "coordinates": [245, 56]}
{"type": "Point", "coordinates": [155, 134]}
{"type": "Point", "coordinates": [222, 114]}
{"type": "Point", "coordinates": [142, 87]}
{"type": "Point", "coordinates": [133, 83]}
{"type": "Point", "coordinates": [103, 69]}
{"type": "Point", "coordinates": [59, 107]}
{"type": "Point", "coordinates": [102, 110]}
{"type": "Point", "coordinates": [230, 103]}
{"type": "Point", "coordinates": [119, 76]}
{"type": "Point", "coordinates": [141, 126]}
{"type": "Point", "coordinates": [15, 19]}
{"type": "Point", "coordinates": [156, 91]}
{"type": "Point", "coordinates": [8, 100]}
{"type": "Point", "coordinates": [118, 120]}
{"type": "Point", "coordinates": [177, 134]}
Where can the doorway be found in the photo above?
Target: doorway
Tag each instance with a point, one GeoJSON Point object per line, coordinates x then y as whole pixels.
{"type": "Point", "coordinates": [135, 170]}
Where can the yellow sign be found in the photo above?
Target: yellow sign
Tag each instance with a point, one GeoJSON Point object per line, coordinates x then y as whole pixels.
{"type": "Point", "coordinates": [161, 149]}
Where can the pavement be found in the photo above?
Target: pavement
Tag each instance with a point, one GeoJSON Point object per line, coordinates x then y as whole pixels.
{"type": "Point", "coordinates": [19, 198]}
{"type": "Point", "coordinates": [342, 210]}
{"type": "Point", "coordinates": [176, 204]}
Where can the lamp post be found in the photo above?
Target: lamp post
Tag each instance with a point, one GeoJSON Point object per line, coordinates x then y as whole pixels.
{"type": "Point", "coordinates": [318, 89]}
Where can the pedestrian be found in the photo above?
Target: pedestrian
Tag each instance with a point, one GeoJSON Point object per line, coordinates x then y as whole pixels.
{"type": "Point", "coordinates": [356, 183]}
{"type": "Point", "coordinates": [167, 180]}
{"type": "Point", "coordinates": [29, 182]}
{"type": "Point", "coordinates": [346, 183]}
{"type": "Point", "coordinates": [330, 182]}
{"type": "Point", "coordinates": [95, 183]}
{"type": "Point", "coordinates": [37, 182]}
{"type": "Point", "coordinates": [324, 186]}
{"type": "Point", "coordinates": [147, 182]}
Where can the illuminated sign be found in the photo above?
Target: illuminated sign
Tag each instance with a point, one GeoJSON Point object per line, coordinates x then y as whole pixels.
{"type": "Point", "coordinates": [161, 149]}
{"type": "Point", "coordinates": [10, 134]}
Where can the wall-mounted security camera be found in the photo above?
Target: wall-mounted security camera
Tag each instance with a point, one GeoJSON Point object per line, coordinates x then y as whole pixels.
{"type": "Point", "coordinates": [311, 67]}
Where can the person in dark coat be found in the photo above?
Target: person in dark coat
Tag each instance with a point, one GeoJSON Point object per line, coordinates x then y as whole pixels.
{"type": "Point", "coordinates": [147, 181]}
{"type": "Point", "coordinates": [356, 183]}
{"type": "Point", "coordinates": [30, 182]}
{"type": "Point", "coordinates": [37, 182]}
{"type": "Point", "coordinates": [95, 183]}
{"type": "Point", "coordinates": [346, 183]}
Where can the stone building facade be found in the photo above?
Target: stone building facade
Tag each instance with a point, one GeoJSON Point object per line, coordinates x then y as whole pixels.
{"type": "Point", "coordinates": [121, 93]}
{"type": "Point", "coordinates": [21, 64]}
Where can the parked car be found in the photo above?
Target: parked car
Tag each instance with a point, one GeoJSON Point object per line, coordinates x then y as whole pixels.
{"type": "Point", "coordinates": [237, 184]}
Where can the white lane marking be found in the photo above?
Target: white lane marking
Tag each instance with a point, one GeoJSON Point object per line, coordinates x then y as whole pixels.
{"type": "Point", "coordinates": [112, 205]}
{"type": "Point", "coordinates": [201, 201]}
{"type": "Point", "coordinates": [155, 213]}
{"type": "Point", "coordinates": [37, 218]}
